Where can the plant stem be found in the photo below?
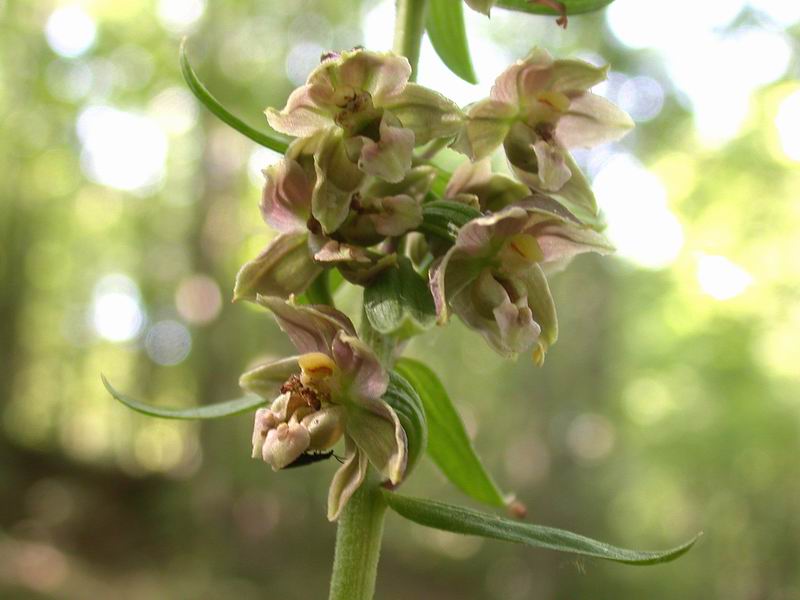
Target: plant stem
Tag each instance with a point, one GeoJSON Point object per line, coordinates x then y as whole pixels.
{"type": "Point", "coordinates": [358, 544]}
{"type": "Point", "coordinates": [360, 528]}
{"type": "Point", "coordinates": [409, 26]}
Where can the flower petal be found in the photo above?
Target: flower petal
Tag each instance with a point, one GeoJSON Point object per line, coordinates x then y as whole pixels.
{"type": "Point", "coordinates": [381, 74]}
{"type": "Point", "coordinates": [425, 112]}
{"type": "Point", "coordinates": [266, 379]}
{"type": "Point", "coordinates": [553, 171]}
{"type": "Point", "coordinates": [286, 200]}
{"type": "Point", "coordinates": [284, 444]}
{"type": "Point", "coordinates": [376, 430]}
{"type": "Point", "coordinates": [311, 328]}
{"type": "Point", "coordinates": [332, 252]}
{"type": "Point", "coordinates": [390, 157]}
{"type": "Point", "coordinates": [302, 116]}
{"type": "Point", "coordinates": [337, 179]}
{"type": "Point", "coordinates": [541, 303]}
{"type": "Point", "coordinates": [284, 267]}
{"type": "Point", "coordinates": [493, 191]}
{"type": "Point", "coordinates": [486, 126]}
{"type": "Point", "coordinates": [361, 371]}
{"type": "Point", "coordinates": [347, 480]}
{"type": "Point", "coordinates": [592, 120]}
{"type": "Point", "coordinates": [569, 75]}
{"type": "Point", "coordinates": [523, 79]}
{"type": "Point", "coordinates": [397, 215]}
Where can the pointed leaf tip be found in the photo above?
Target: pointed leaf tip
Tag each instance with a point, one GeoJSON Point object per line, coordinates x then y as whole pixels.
{"type": "Point", "coordinates": [466, 521]}
{"type": "Point", "coordinates": [210, 411]}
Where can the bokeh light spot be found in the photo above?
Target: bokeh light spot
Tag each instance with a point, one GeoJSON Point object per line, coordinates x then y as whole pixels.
{"type": "Point", "coordinates": [720, 278]}
{"type": "Point", "coordinates": [180, 16]}
{"type": "Point", "coordinates": [787, 122]}
{"type": "Point", "coordinates": [116, 312]}
{"type": "Point", "coordinates": [198, 299]}
{"type": "Point", "coordinates": [168, 343]}
{"type": "Point", "coordinates": [70, 31]}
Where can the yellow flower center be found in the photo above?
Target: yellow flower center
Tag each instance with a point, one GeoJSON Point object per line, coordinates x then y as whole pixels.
{"type": "Point", "coordinates": [316, 367]}
{"type": "Point", "coordinates": [526, 247]}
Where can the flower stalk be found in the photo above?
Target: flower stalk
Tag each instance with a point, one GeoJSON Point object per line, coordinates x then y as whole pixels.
{"type": "Point", "coordinates": [360, 527]}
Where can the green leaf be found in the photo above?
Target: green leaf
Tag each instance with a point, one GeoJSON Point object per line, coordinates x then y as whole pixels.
{"type": "Point", "coordinates": [443, 218]}
{"type": "Point", "coordinates": [403, 398]}
{"type": "Point", "coordinates": [268, 139]}
{"type": "Point", "coordinates": [212, 411]}
{"type": "Point", "coordinates": [574, 7]}
{"type": "Point", "coordinates": [445, 25]}
{"type": "Point", "coordinates": [458, 519]}
{"type": "Point", "coordinates": [448, 444]}
{"type": "Point", "coordinates": [398, 302]}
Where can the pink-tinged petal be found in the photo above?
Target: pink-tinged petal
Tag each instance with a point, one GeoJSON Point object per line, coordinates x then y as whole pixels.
{"type": "Point", "coordinates": [381, 74]}
{"type": "Point", "coordinates": [486, 126]}
{"type": "Point", "coordinates": [390, 157]}
{"type": "Point", "coordinates": [416, 184]}
{"type": "Point", "coordinates": [332, 252]}
{"type": "Point", "coordinates": [396, 215]}
{"type": "Point", "coordinates": [266, 380]}
{"type": "Point", "coordinates": [325, 426]}
{"type": "Point", "coordinates": [377, 431]}
{"type": "Point", "coordinates": [265, 420]}
{"type": "Point", "coordinates": [493, 191]}
{"type": "Point", "coordinates": [575, 195]}
{"type": "Point", "coordinates": [592, 120]}
{"type": "Point", "coordinates": [347, 480]}
{"type": "Point", "coordinates": [506, 323]}
{"type": "Point", "coordinates": [286, 200]}
{"type": "Point", "coordinates": [562, 242]}
{"type": "Point", "coordinates": [436, 282]}
{"type": "Point", "coordinates": [469, 175]}
{"type": "Point", "coordinates": [425, 112]}
{"type": "Point", "coordinates": [285, 267]}
{"type": "Point", "coordinates": [302, 116]}
{"type": "Point", "coordinates": [337, 180]}
{"type": "Point", "coordinates": [311, 328]}
{"type": "Point", "coordinates": [484, 236]}
{"type": "Point", "coordinates": [553, 171]}
{"type": "Point", "coordinates": [525, 78]}
{"type": "Point", "coordinates": [361, 371]}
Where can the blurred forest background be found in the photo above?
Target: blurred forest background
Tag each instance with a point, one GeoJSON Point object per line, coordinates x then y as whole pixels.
{"type": "Point", "coordinates": [671, 403]}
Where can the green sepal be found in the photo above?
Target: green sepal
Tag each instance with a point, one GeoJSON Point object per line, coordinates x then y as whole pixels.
{"type": "Point", "coordinates": [398, 302]}
{"type": "Point", "coordinates": [211, 411]}
{"type": "Point", "coordinates": [458, 519]}
{"type": "Point", "coordinates": [445, 25]}
{"type": "Point", "coordinates": [448, 443]}
{"type": "Point", "coordinates": [269, 139]}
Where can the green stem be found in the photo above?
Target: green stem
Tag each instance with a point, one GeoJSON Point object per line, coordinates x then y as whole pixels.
{"type": "Point", "coordinates": [319, 292]}
{"type": "Point", "coordinates": [358, 545]}
{"type": "Point", "coordinates": [409, 26]}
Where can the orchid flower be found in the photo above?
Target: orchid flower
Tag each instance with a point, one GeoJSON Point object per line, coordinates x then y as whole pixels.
{"type": "Point", "coordinates": [313, 235]}
{"type": "Point", "coordinates": [538, 108]}
{"type": "Point", "coordinates": [367, 98]}
{"type": "Point", "coordinates": [493, 277]}
{"type": "Point", "coordinates": [331, 390]}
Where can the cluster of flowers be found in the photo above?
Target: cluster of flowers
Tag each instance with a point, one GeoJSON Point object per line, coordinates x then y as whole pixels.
{"type": "Point", "coordinates": [349, 194]}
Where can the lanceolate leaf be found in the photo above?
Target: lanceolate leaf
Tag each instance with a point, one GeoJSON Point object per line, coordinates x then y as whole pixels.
{"type": "Point", "coordinates": [272, 140]}
{"type": "Point", "coordinates": [448, 444]}
{"type": "Point", "coordinates": [458, 519]}
{"type": "Point", "coordinates": [398, 301]}
{"type": "Point", "coordinates": [574, 7]}
{"type": "Point", "coordinates": [445, 25]}
{"type": "Point", "coordinates": [211, 411]}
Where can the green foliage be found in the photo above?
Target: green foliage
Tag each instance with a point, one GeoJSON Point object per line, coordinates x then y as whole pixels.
{"type": "Point", "coordinates": [458, 519]}
{"type": "Point", "coordinates": [442, 218]}
{"type": "Point", "coordinates": [445, 26]}
{"type": "Point", "coordinates": [269, 139]}
{"type": "Point", "coordinates": [398, 302]}
{"type": "Point", "coordinates": [212, 411]}
{"type": "Point", "coordinates": [403, 398]}
{"type": "Point", "coordinates": [449, 446]}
